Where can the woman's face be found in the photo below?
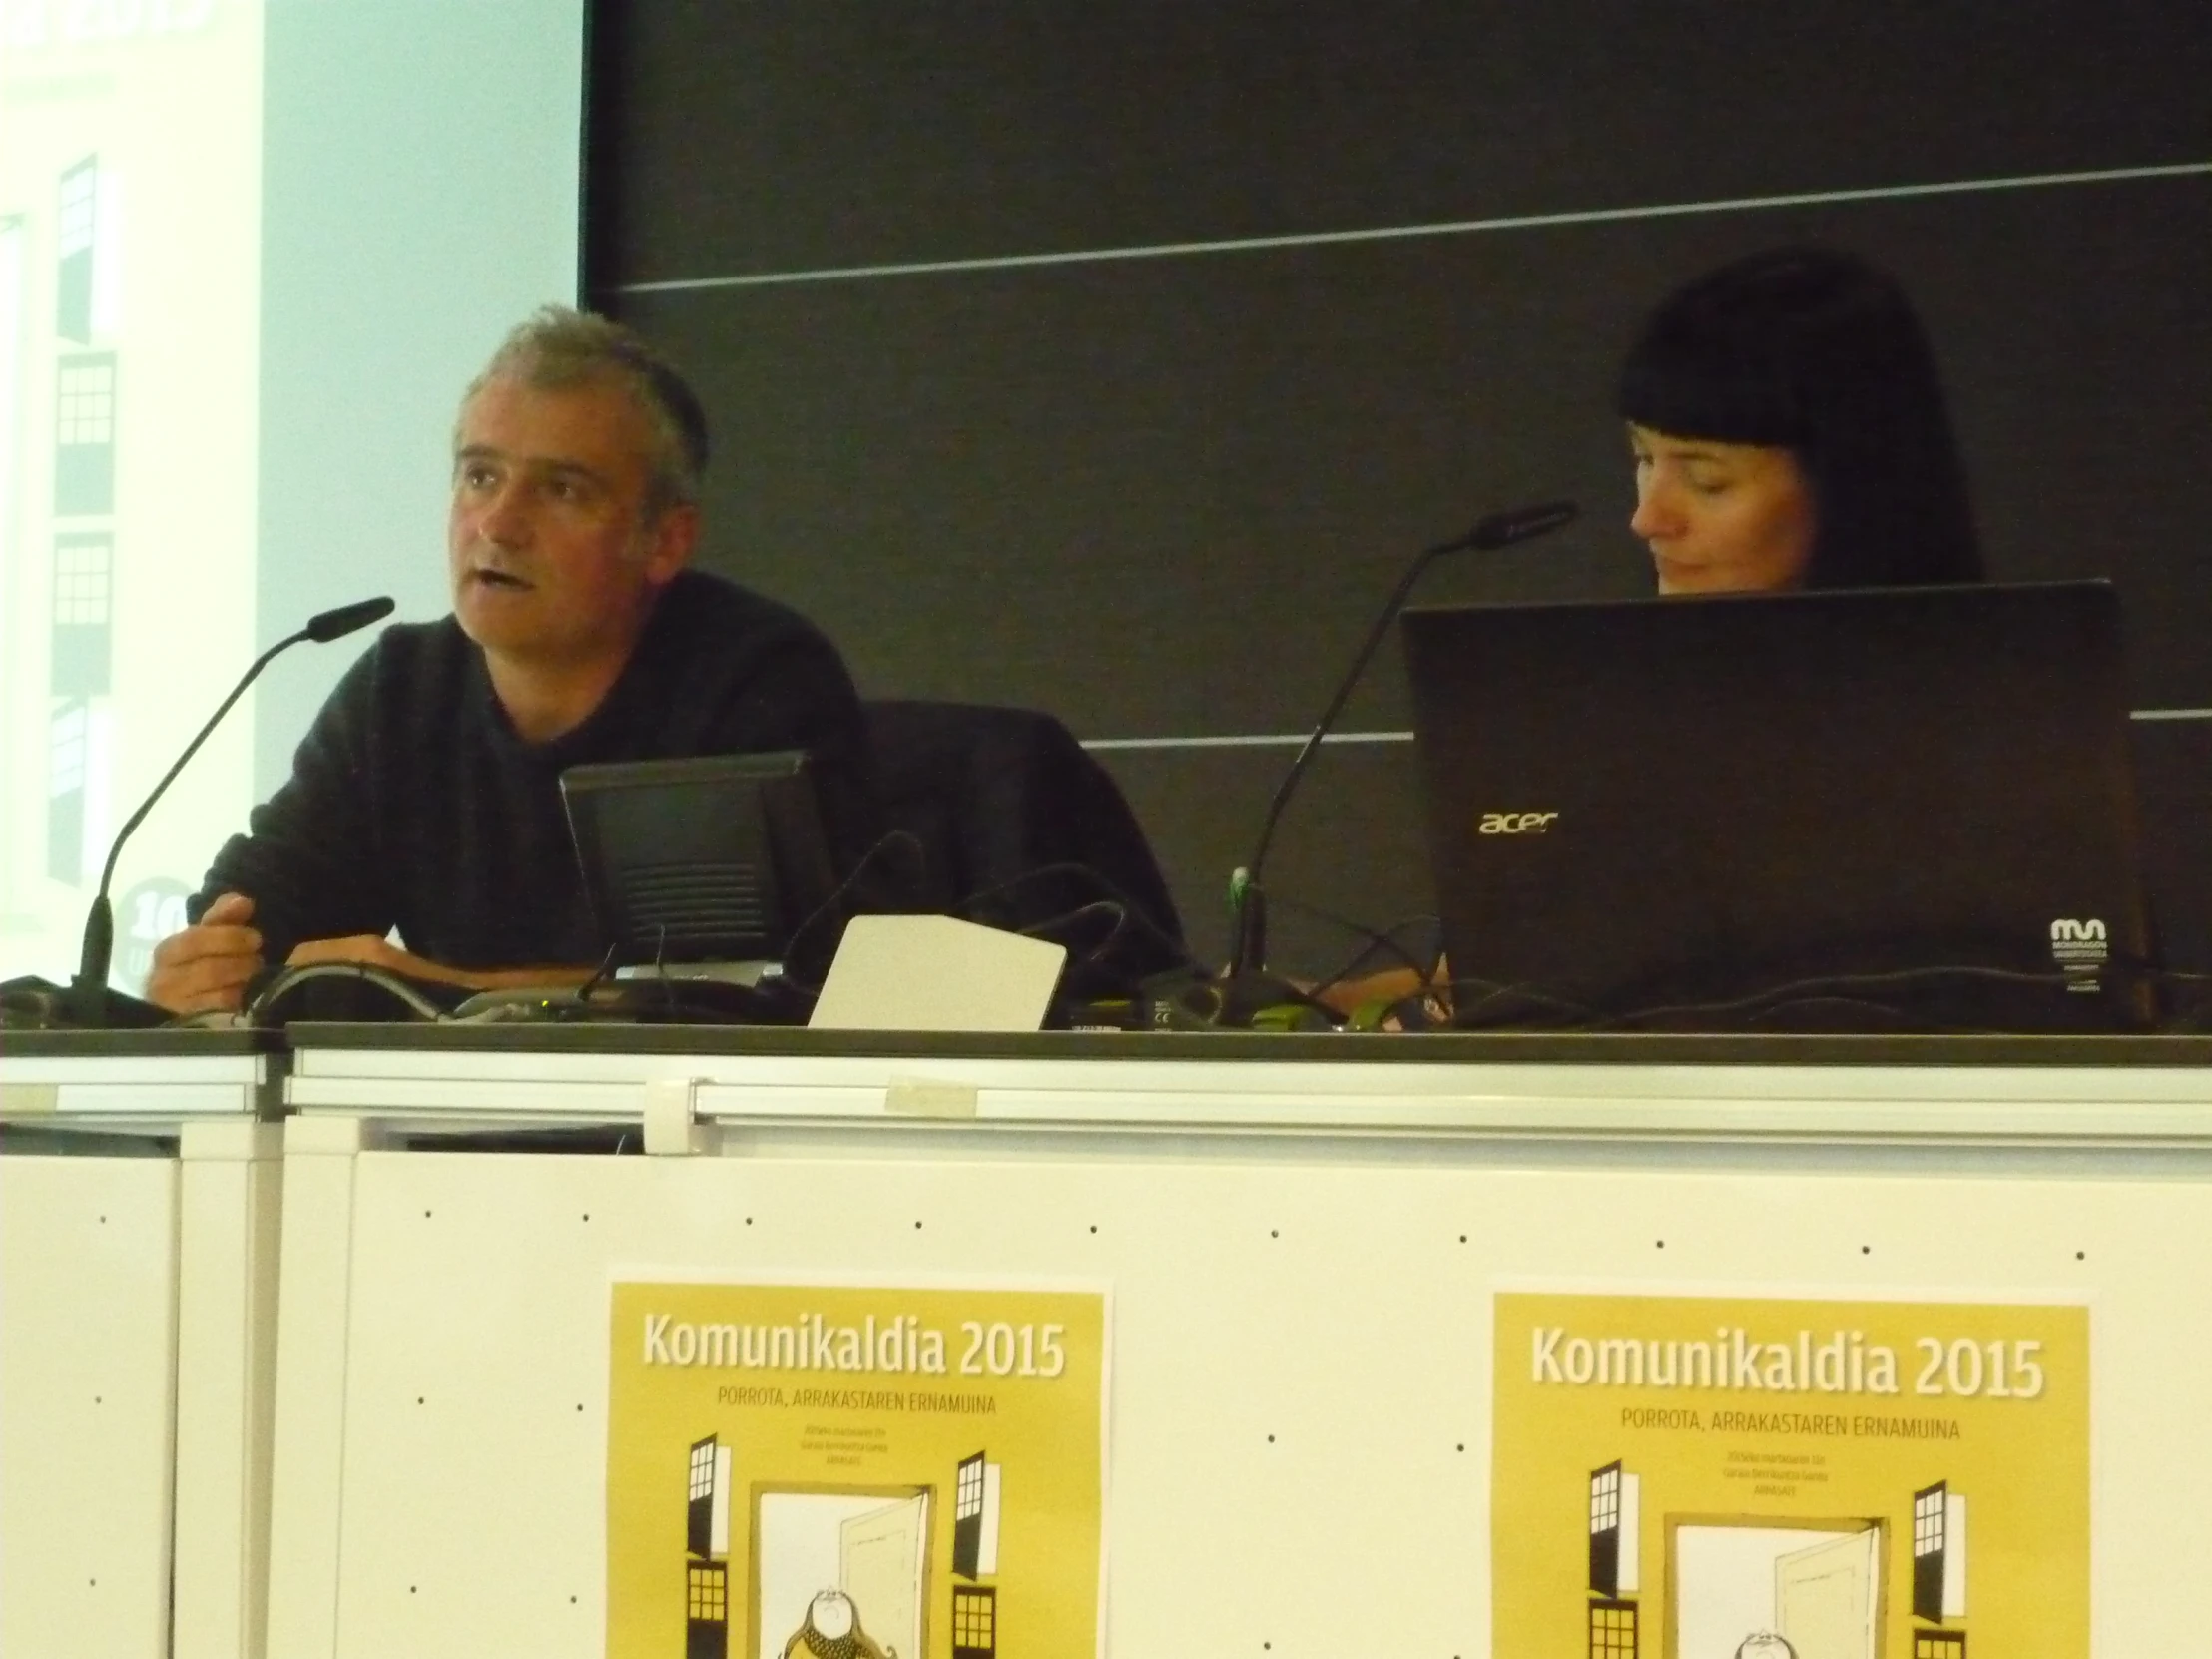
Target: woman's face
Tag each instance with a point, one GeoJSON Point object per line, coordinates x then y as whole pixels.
{"type": "Point", "coordinates": [1721, 517]}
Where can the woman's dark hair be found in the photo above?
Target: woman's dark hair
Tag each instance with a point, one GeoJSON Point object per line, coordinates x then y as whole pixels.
{"type": "Point", "coordinates": [1819, 352]}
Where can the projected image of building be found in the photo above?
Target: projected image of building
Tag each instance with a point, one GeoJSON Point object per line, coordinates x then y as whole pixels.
{"type": "Point", "coordinates": [129, 296]}
{"type": "Point", "coordinates": [79, 641]}
{"type": "Point", "coordinates": [16, 829]}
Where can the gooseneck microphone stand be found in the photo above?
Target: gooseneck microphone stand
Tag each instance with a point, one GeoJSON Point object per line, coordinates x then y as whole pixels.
{"type": "Point", "coordinates": [91, 1002]}
{"type": "Point", "coordinates": [1247, 985]}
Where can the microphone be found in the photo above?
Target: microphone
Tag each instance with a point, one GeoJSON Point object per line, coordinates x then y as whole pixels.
{"type": "Point", "coordinates": [91, 1002]}
{"type": "Point", "coordinates": [336, 625]}
{"type": "Point", "coordinates": [1247, 950]}
{"type": "Point", "coordinates": [1513, 525]}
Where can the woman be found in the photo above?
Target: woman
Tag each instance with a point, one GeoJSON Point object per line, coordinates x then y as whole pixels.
{"type": "Point", "coordinates": [1789, 432]}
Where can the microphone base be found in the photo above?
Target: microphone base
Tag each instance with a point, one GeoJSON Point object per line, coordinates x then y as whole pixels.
{"type": "Point", "coordinates": [1242, 999]}
{"type": "Point", "coordinates": [34, 1004]}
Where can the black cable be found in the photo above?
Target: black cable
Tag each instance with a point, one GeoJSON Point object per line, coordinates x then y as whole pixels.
{"type": "Point", "coordinates": [1129, 909]}
{"type": "Point", "coordinates": [1386, 942]}
{"type": "Point", "coordinates": [1094, 957]}
{"type": "Point", "coordinates": [1837, 988]}
{"type": "Point", "coordinates": [659, 969]}
{"type": "Point", "coordinates": [2193, 1015]}
{"type": "Point", "coordinates": [1799, 994]}
{"type": "Point", "coordinates": [1899, 1019]}
{"type": "Point", "coordinates": [392, 984]}
{"type": "Point", "coordinates": [598, 974]}
{"type": "Point", "coordinates": [1840, 984]}
{"type": "Point", "coordinates": [1499, 990]}
{"type": "Point", "coordinates": [843, 891]}
{"type": "Point", "coordinates": [1135, 912]}
{"type": "Point", "coordinates": [1307, 999]}
{"type": "Point", "coordinates": [1050, 927]}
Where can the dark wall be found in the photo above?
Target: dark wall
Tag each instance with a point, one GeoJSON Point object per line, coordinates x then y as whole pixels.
{"type": "Point", "coordinates": [987, 415]}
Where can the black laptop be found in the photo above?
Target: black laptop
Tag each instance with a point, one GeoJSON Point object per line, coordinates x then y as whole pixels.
{"type": "Point", "coordinates": [1877, 809]}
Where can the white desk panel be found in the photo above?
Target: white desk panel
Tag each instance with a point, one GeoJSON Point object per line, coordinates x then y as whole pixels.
{"type": "Point", "coordinates": [88, 1369]}
{"type": "Point", "coordinates": [151, 1092]}
{"type": "Point", "coordinates": [441, 1447]}
{"type": "Point", "coordinates": [138, 1197]}
{"type": "Point", "coordinates": [1907, 1105]}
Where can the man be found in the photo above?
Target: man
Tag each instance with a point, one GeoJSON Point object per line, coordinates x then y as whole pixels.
{"type": "Point", "coordinates": [427, 795]}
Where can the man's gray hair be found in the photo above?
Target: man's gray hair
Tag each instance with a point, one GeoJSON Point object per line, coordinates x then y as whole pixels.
{"type": "Point", "coordinates": [557, 348]}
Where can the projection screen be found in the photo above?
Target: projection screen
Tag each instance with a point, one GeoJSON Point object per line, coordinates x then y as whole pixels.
{"type": "Point", "coordinates": [251, 250]}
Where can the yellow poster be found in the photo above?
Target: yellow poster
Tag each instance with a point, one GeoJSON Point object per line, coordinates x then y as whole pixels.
{"type": "Point", "coordinates": [859, 1471]}
{"type": "Point", "coordinates": [1746, 1477]}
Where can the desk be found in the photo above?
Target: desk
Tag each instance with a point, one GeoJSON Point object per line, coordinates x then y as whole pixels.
{"type": "Point", "coordinates": [138, 1185]}
{"type": "Point", "coordinates": [1302, 1233]}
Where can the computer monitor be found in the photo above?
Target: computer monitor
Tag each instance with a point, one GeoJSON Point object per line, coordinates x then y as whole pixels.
{"type": "Point", "coordinates": [1696, 804]}
{"type": "Point", "coordinates": [720, 858]}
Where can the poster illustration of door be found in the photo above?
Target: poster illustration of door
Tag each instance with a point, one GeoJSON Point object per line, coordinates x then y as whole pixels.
{"type": "Point", "coordinates": [1815, 1583]}
{"type": "Point", "coordinates": [862, 1470]}
{"type": "Point", "coordinates": [882, 1564]}
{"type": "Point", "coordinates": [872, 1548]}
{"type": "Point", "coordinates": [1707, 1475]}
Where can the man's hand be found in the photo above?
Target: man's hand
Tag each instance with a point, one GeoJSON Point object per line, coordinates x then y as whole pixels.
{"type": "Point", "coordinates": [207, 965]}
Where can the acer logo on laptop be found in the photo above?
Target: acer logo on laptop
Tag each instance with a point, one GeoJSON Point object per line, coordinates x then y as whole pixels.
{"type": "Point", "coordinates": [1514, 823]}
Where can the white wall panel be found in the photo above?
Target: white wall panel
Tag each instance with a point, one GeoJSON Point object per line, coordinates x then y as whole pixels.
{"type": "Point", "coordinates": [1302, 1388]}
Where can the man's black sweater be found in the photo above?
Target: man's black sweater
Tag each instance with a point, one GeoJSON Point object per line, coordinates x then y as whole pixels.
{"type": "Point", "coordinates": [413, 803]}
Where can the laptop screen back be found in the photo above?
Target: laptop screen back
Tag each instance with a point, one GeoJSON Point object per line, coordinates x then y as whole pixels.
{"type": "Point", "coordinates": [1664, 804]}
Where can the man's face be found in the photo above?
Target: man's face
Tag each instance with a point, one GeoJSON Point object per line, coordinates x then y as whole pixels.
{"type": "Point", "coordinates": [552, 559]}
